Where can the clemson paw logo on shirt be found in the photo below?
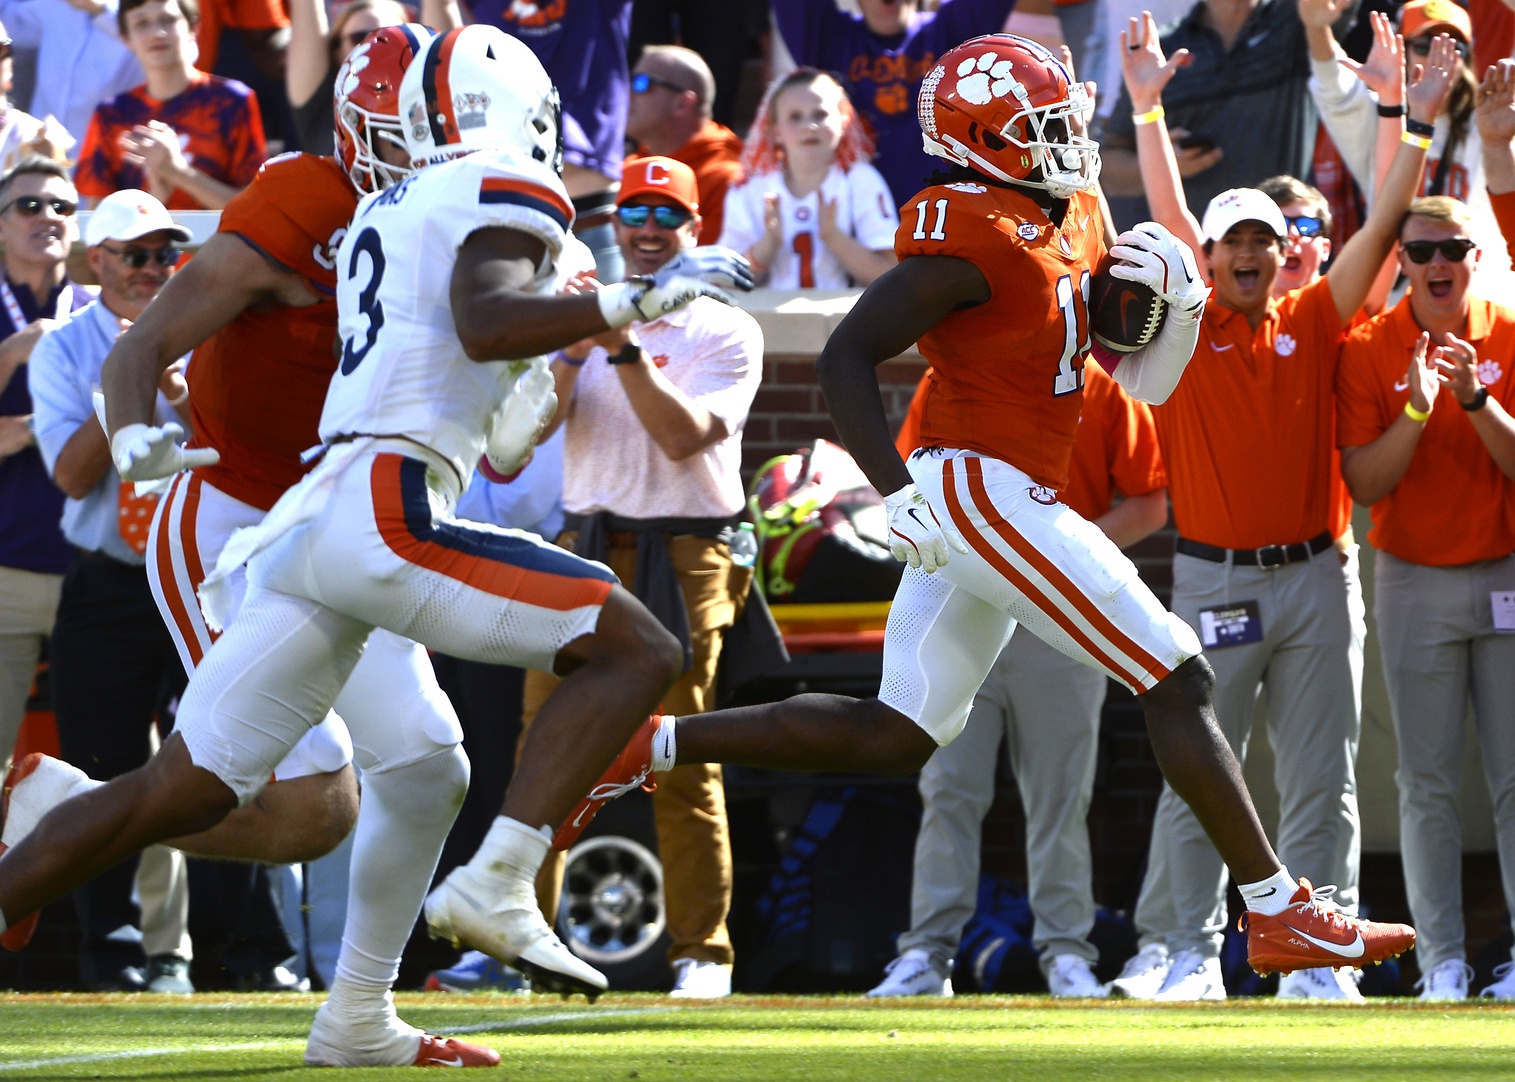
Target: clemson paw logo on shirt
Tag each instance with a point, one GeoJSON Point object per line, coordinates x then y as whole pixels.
{"type": "Point", "coordinates": [1284, 345]}
{"type": "Point", "coordinates": [982, 80]}
{"type": "Point", "coordinates": [892, 100]}
{"type": "Point", "coordinates": [1489, 372]}
{"type": "Point", "coordinates": [968, 186]}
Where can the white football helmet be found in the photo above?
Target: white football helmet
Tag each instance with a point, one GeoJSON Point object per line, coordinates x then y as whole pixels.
{"type": "Point", "coordinates": [478, 88]}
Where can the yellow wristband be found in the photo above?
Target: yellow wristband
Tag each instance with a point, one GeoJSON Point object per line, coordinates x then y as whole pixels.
{"type": "Point", "coordinates": [1415, 140]}
{"type": "Point", "coordinates": [1419, 416]}
{"type": "Point", "coordinates": [1151, 116]}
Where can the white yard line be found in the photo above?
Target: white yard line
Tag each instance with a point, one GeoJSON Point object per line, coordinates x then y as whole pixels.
{"type": "Point", "coordinates": [482, 1027]}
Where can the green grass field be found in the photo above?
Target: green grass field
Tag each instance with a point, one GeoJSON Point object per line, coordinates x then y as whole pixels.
{"type": "Point", "coordinates": [650, 1038]}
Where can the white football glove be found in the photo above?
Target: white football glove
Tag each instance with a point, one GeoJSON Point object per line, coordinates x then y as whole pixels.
{"type": "Point", "coordinates": [699, 272]}
{"type": "Point", "coordinates": [916, 537]}
{"type": "Point", "coordinates": [1164, 263]}
{"type": "Point", "coordinates": [521, 419]}
{"type": "Point", "coordinates": [148, 453]}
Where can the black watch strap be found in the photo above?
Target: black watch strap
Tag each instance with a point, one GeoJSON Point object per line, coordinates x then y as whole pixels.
{"type": "Point", "coordinates": [630, 353]}
{"type": "Point", "coordinates": [1480, 400]}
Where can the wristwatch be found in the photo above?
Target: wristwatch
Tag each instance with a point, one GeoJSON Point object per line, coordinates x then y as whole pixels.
{"type": "Point", "coordinates": [1480, 400]}
{"type": "Point", "coordinates": [630, 353]}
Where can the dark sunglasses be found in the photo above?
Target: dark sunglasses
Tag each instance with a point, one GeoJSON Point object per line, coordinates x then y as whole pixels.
{"type": "Point", "coordinates": [5, 48]}
{"type": "Point", "coordinates": [136, 258]}
{"type": "Point", "coordinates": [665, 216]}
{"type": "Point", "coordinates": [642, 82]}
{"type": "Point", "coordinates": [1307, 225]}
{"type": "Point", "coordinates": [31, 205]}
{"type": "Point", "coordinates": [1422, 46]}
{"type": "Point", "coordinates": [1453, 249]}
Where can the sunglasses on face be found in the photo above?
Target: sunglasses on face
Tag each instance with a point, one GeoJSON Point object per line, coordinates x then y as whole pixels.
{"type": "Point", "coordinates": [1422, 47]}
{"type": "Point", "coordinates": [1453, 249]}
{"type": "Point", "coordinates": [664, 216]}
{"type": "Point", "coordinates": [1307, 225]}
{"type": "Point", "coordinates": [642, 82]}
{"type": "Point", "coordinates": [136, 258]}
{"type": "Point", "coordinates": [30, 206]}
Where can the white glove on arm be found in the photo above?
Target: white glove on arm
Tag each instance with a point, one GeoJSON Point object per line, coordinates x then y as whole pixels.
{"type": "Point", "coordinates": [523, 416]}
{"type": "Point", "coordinates": [699, 272]}
{"type": "Point", "coordinates": [147, 453]}
{"type": "Point", "coordinates": [915, 535]}
{"type": "Point", "coordinates": [1167, 265]}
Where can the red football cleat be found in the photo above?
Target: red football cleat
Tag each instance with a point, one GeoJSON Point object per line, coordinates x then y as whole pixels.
{"type": "Point", "coordinates": [19, 933]}
{"type": "Point", "coordinates": [1313, 932]}
{"type": "Point", "coordinates": [451, 1052]}
{"type": "Point", "coordinates": [631, 770]}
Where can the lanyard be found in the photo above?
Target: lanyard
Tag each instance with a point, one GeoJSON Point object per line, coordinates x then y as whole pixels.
{"type": "Point", "coordinates": [13, 307]}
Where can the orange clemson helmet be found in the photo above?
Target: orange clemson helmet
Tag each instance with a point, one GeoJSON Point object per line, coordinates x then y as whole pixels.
{"type": "Point", "coordinates": [366, 101]}
{"type": "Point", "coordinates": [1006, 107]}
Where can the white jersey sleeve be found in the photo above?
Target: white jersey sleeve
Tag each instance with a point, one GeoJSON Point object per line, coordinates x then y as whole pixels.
{"type": "Point", "coordinates": [403, 371]}
{"type": "Point", "coordinates": [874, 216]}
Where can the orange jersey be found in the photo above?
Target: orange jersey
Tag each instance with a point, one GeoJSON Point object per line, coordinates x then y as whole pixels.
{"type": "Point", "coordinates": [1116, 449]}
{"type": "Point", "coordinates": [1452, 506]}
{"type": "Point", "coordinates": [258, 384]}
{"type": "Point", "coordinates": [1249, 435]}
{"type": "Point", "coordinates": [1008, 375]}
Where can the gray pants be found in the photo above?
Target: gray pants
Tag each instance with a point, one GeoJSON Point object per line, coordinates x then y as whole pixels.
{"type": "Point", "coordinates": [28, 603]}
{"type": "Point", "coordinates": [1310, 663]}
{"type": "Point", "coordinates": [1436, 634]}
{"type": "Point", "coordinates": [1046, 707]}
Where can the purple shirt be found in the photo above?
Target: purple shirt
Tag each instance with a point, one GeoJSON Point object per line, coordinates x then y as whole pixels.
{"type": "Point", "coordinates": [31, 505]}
{"type": "Point", "coordinates": [582, 44]}
{"type": "Point", "coordinates": [883, 75]}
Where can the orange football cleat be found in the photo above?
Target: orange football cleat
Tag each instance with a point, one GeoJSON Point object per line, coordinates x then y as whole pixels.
{"type": "Point", "coordinates": [1313, 932]}
{"type": "Point", "coordinates": [451, 1052]}
{"type": "Point", "coordinates": [631, 770]}
{"type": "Point", "coordinates": [19, 933]}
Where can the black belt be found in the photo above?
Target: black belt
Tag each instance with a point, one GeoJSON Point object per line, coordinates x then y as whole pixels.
{"type": "Point", "coordinates": [593, 210]}
{"type": "Point", "coordinates": [1268, 556]}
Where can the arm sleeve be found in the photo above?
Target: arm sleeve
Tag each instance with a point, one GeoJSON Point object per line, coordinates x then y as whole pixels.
{"type": "Point", "coordinates": [874, 219]}
{"type": "Point", "coordinates": [1151, 373]}
{"type": "Point", "coordinates": [1504, 214]}
{"type": "Point", "coordinates": [249, 149]}
{"type": "Point", "coordinates": [59, 405]}
{"type": "Point", "coordinates": [730, 373]}
{"type": "Point", "coordinates": [96, 172]}
{"type": "Point", "coordinates": [958, 20]}
{"type": "Point", "coordinates": [816, 32]}
{"type": "Point", "coordinates": [1137, 464]}
{"type": "Point", "coordinates": [1348, 109]}
{"type": "Point", "coordinates": [1359, 410]}
{"type": "Point", "coordinates": [739, 232]}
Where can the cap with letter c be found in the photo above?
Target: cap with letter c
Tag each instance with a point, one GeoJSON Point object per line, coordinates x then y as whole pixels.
{"type": "Point", "coordinates": [659, 176]}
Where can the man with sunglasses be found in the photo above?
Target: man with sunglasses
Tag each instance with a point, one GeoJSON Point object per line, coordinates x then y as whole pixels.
{"type": "Point", "coordinates": [37, 226]}
{"type": "Point", "coordinates": [671, 397]}
{"type": "Point", "coordinates": [112, 663]}
{"type": "Point", "coordinates": [1423, 419]}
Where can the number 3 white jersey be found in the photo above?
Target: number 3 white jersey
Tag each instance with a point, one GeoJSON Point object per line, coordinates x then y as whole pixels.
{"type": "Point", "coordinates": [403, 371]}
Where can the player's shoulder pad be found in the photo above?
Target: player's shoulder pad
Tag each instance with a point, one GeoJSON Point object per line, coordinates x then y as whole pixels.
{"type": "Point", "coordinates": [968, 217]}
{"type": "Point", "coordinates": [309, 190]}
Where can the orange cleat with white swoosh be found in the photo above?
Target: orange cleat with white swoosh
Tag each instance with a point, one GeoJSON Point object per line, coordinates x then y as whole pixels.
{"type": "Point", "coordinates": [1314, 932]}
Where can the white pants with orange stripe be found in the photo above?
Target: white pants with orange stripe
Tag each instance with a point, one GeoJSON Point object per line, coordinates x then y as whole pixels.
{"type": "Point", "coordinates": [381, 551]}
{"type": "Point", "coordinates": [1033, 561]}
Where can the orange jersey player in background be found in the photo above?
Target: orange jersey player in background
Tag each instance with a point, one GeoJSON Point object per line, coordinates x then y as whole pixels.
{"type": "Point", "coordinates": [259, 309]}
{"type": "Point", "coordinates": [991, 283]}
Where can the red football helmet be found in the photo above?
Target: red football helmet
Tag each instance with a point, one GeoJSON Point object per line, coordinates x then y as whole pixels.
{"type": "Point", "coordinates": [366, 101]}
{"type": "Point", "coordinates": [1005, 106]}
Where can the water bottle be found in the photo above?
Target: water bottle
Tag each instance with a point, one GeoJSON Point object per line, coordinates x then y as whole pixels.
{"type": "Point", "coordinates": [744, 546]}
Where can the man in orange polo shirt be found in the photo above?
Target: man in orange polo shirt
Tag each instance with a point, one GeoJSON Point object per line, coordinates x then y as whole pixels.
{"type": "Point", "coordinates": [672, 90]}
{"type": "Point", "coordinates": [1444, 598]}
{"type": "Point", "coordinates": [1248, 440]}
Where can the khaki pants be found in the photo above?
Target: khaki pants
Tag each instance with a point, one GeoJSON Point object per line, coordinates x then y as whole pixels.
{"type": "Point", "coordinates": [690, 802]}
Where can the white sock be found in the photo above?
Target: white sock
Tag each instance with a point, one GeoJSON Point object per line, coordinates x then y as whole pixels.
{"type": "Point", "coordinates": [511, 851]}
{"type": "Point", "coordinates": [664, 754]}
{"type": "Point", "coordinates": [1271, 896]}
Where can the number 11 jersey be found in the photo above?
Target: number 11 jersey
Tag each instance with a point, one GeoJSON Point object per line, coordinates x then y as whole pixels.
{"type": "Point", "coordinates": [402, 370]}
{"type": "Point", "coordinates": [1007, 376]}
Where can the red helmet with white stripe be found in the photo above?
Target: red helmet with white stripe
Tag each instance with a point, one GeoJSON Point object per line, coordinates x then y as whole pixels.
{"type": "Point", "coordinates": [366, 101]}
{"type": "Point", "coordinates": [1005, 106]}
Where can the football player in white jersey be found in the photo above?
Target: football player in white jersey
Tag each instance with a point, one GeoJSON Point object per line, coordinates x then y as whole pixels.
{"type": "Point", "coordinates": [446, 303]}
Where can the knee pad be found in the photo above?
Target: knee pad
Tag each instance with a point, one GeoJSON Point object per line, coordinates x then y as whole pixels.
{"type": "Point", "coordinates": [324, 750]}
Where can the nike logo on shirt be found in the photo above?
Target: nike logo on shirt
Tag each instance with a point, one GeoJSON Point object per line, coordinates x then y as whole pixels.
{"type": "Point", "coordinates": [1402, 385]}
{"type": "Point", "coordinates": [1222, 349]}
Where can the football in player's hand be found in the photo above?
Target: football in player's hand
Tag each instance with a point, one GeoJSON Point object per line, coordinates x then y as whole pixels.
{"type": "Point", "coordinates": [1123, 316]}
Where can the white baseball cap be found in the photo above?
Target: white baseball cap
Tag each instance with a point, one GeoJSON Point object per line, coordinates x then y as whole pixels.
{"type": "Point", "coordinates": [127, 215]}
{"type": "Point", "coordinates": [1236, 205]}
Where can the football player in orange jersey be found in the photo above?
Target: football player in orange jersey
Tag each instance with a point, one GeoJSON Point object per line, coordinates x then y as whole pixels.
{"type": "Point", "coordinates": [259, 310]}
{"type": "Point", "coordinates": [992, 282]}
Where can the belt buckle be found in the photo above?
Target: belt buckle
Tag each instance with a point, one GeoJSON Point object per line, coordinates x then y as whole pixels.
{"type": "Point", "coordinates": [1272, 557]}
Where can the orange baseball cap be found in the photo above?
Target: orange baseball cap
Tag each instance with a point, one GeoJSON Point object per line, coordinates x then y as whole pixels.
{"type": "Point", "coordinates": [660, 176]}
{"type": "Point", "coordinates": [1433, 17]}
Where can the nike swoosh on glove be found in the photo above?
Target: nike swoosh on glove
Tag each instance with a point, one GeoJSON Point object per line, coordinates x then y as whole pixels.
{"type": "Point", "coordinates": [699, 272]}
{"type": "Point", "coordinates": [147, 453]}
{"type": "Point", "coordinates": [915, 535]}
{"type": "Point", "coordinates": [1163, 262]}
